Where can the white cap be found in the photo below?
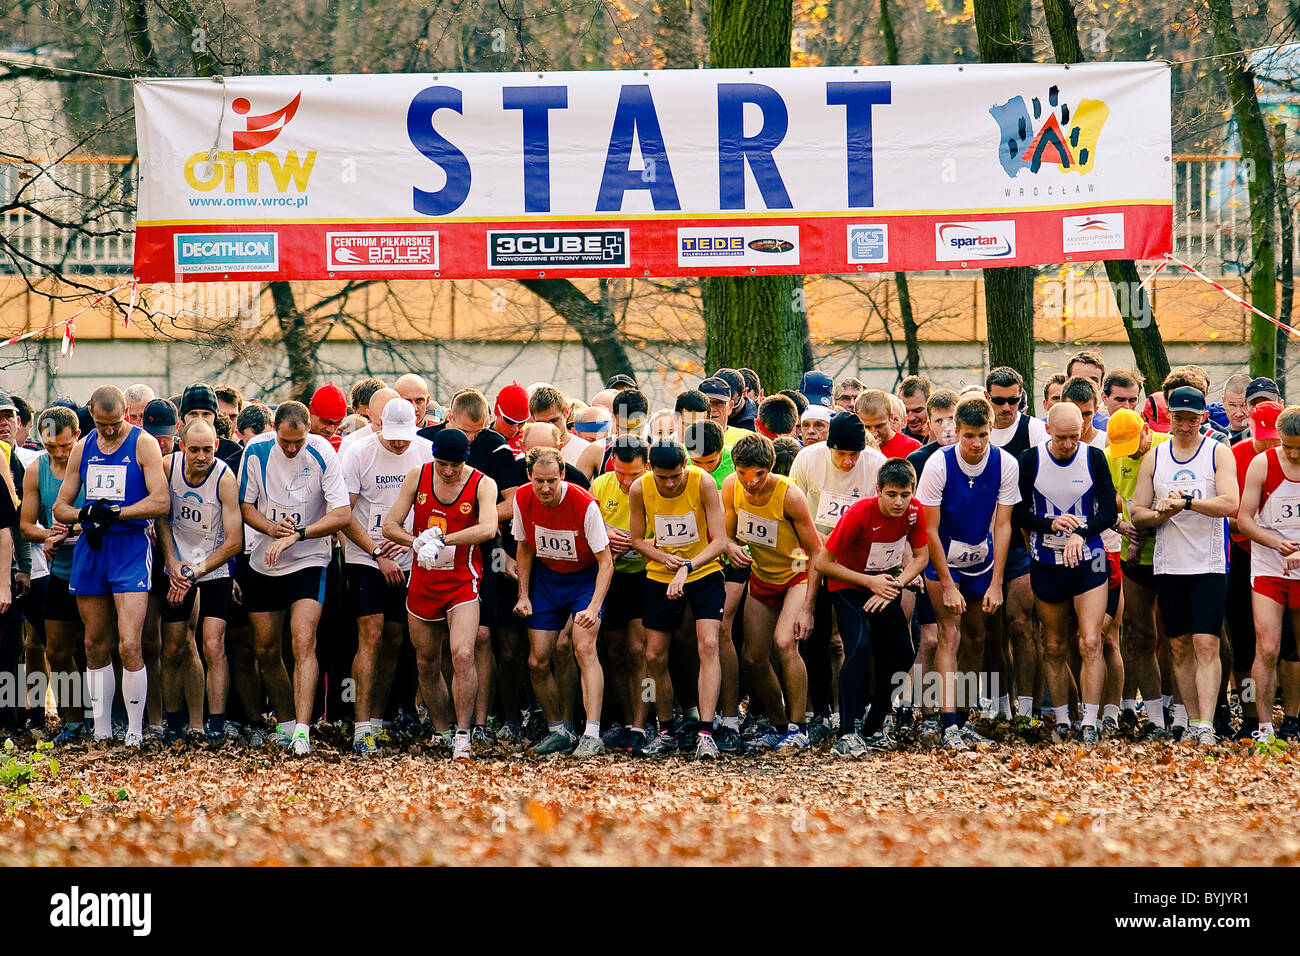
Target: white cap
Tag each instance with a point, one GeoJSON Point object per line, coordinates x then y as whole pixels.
{"type": "Point", "coordinates": [816, 413]}
{"type": "Point", "coordinates": [398, 422]}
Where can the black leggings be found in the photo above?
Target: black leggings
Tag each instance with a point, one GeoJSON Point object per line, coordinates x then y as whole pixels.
{"type": "Point", "coordinates": [881, 638]}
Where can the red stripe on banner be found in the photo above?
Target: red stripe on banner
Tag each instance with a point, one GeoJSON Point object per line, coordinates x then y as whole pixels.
{"type": "Point", "coordinates": [866, 242]}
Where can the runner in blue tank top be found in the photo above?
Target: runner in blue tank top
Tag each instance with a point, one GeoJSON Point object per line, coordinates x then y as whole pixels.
{"type": "Point", "coordinates": [120, 468]}
{"type": "Point", "coordinates": [967, 491]}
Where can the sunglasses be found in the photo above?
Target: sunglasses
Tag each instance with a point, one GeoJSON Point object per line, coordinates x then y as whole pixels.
{"type": "Point", "coordinates": [1004, 400]}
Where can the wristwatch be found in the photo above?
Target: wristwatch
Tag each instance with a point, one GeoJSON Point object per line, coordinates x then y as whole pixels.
{"type": "Point", "coordinates": [187, 573]}
{"type": "Point", "coordinates": [1187, 500]}
{"type": "Point", "coordinates": [302, 533]}
{"type": "Point", "coordinates": [688, 566]}
{"type": "Point", "coordinates": [375, 553]}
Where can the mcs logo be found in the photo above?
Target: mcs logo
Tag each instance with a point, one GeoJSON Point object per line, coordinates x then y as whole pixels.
{"type": "Point", "coordinates": [206, 171]}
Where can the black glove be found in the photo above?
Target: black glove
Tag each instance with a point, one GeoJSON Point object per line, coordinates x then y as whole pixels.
{"type": "Point", "coordinates": [94, 535]}
{"type": "Point", "coordinates": [100, 512]}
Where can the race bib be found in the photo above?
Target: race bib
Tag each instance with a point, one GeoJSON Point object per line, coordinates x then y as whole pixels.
{"type": "Point", "coordinates": [1286, 511]}
{"type": "Point", "coordinates": [1056, 540]}
{"type": "Point", "coordinates": [279, 510]}
{"type": "Point", "coordinates": [676, 531]}
{"type": "Point", "coordinates": [963, 555]}
{"type": "Point", "coordinates": [1193, 486]}
{"type": "Point", "coordinates": [557, 545]}
{"type": "Point", "coordinates": [830, 507]}
{"type": "Point", "coordinates": [887, 555]}
{"type": "Point", "coordinates": [106, 481]}
{"type": "Point", "coordinates": [756, 530]}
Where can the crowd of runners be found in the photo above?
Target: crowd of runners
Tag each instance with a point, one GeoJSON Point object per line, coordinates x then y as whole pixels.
{"type": "Point", "coordinates": [833, 566]}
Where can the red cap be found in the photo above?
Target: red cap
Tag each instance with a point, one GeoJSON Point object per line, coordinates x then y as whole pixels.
{"type": "Point", "coordinates": [512, 404]}
{"type": "Point", "coordinates": [1263, 420]}
{"type": "Point", "coordinates": [330, 402]}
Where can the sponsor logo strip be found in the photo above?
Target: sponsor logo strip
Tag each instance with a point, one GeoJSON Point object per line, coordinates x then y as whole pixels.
{"type": "Point", "coordinates": [197, 252]}
{"type": "Point", "coordinates": [558, 249]}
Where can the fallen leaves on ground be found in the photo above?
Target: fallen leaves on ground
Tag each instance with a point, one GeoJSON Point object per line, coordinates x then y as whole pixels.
{"type": "Point", "coordinates": [1009, 806]}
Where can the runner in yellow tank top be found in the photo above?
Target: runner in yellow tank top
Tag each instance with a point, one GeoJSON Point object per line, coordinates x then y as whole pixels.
{"type": "Point", "coordinates": [676, 521]}
{"type": "Point", "coordinates": [770, 514]}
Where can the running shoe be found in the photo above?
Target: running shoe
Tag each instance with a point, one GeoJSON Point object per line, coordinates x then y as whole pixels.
{"type": "Point", "coordinates": [767, 740]}
{"type": "Point", "coordinates": [556, 742]}
{"type": "Point", "coordinates": [685, 729]}
{"type": "Point", "coordinates": [1264, 743]}
{"type": "Point", "coordinates": [706, 748]}
{"type": "Point", "coordinates": [480, 739]}
{"type": "Point", "coordinates": [1248, 730]}
{"type": "Point", "coordinates": [257, 736]}
{"type": "Point", "coordinates": [664, 745]}
{"type": "Point", "coordinates": [793, 740]}
{"type": "Point", "coordinates": [971, 735]}
{"type": "Point", "coordinates": [728, 740]}
{"type": "Point", "coordinates": [850, 745]}
{"type": "Point", "coordinates": [1128, 722]}
{"type": "Point", "coordinates": [301, 743]}
{"type": "Point", "coordinates": [133, 740]}
{"type": "Point", "coordinates": [1110, 728]}
{"type": "Point", "coordinates": [1151, 733]}
{"type": "Point", "coordinates": [1089, 734]}
{"type": "Point", "coordinates": [930, 729]}
{"type": "Point", "coordinates": [281, 739]}
{"type": "Point", "coordinates": [615, 738]}
{"type": "Point", "coordinates": [952, 739]}
{"type": "Point", "coordinates": [820, 731]}
{"type": "Point", "coordinates": [1290, 728]}
{"type": "Point", "coordinates": [1223, 721]}
{"type": "Point", "coordinates": [882, 741]}
{"type": "Point", "coordinates": [511, 735]}
{"type": "Point", "coordinates": [462, 746]}
{"type": "Point", "coordinates": [1206, 737]}
{"type": "Point", "coordinates": [637, 742]}
{"type": "Point", "coordinates": [1063, 731]}
{"type": "Point", "coordinates": [71, 734]}
{"type": "Point", "coordinates": [232, 730]}
{"type": "Point", "coordinates": [365, 746]}
{"type": "Point", "coordinates": [589, 745]}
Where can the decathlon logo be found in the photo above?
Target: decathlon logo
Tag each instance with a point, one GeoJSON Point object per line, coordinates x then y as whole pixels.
{"type": "Point", "coordinates": [228, 252]}
{"type": "Point", "coordinates": [974, 240]}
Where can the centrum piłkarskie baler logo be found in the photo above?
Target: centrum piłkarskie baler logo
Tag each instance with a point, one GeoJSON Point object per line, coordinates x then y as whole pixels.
{"type": "Point", "coordinates": [206, 171]}
{"type": "Point", "coordinates": [1034, 135]}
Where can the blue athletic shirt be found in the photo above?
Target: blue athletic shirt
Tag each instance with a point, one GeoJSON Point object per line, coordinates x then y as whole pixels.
{"type": "Point", "coordinates": [967, 504]}
{"type": "Point", "coordinates": [116, 478]}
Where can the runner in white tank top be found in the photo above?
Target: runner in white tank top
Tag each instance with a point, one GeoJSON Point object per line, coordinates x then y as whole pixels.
{"type": "Point", "coordinates": [1270, 517]}
{"type": "Point", "coordinates": [1186, 489]}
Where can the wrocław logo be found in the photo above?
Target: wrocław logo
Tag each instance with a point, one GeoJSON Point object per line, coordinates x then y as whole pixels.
{"type": "Point", "coordinates": [1056, 136]}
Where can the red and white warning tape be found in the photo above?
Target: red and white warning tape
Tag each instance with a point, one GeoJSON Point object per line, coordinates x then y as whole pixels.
{"type": "Point", "coordinates": [69, 343]}
{"type": "Point", "coordinates": [1170, 257]}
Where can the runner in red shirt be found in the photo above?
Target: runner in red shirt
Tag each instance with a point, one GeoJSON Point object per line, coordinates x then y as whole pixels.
{"type": "Point", "coordinates": [878, 547]}
{"type": "Point", "coordinates": [873, 407]}
{"type": "Point", "coordinates": [455, 510]}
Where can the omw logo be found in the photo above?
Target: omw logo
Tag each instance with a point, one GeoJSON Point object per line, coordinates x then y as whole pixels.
{"type": "Point", "coordinates": [207, 171]}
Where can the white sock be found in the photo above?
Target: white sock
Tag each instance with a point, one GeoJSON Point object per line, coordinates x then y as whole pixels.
{"type": "Point", "coordinates": [593, 729]}
{"type": "Point", "coordinates": [1180, 715]}
{"type": "Point", "coordinates": [557, 727]}
{"type": "Point", "coordinates": [807, 716]}
{"type": "Point", "coordinates": [1265, 729]}
{"type": "Point", "coordinates": [1166, 699]}
{"type": "Point", "coordinates": [1090, 715]}
{"type": "Point", "coordinates": [1025, 706]}
{"type": "Point", "coordinates": [1061, 714]}
{"type": "Point", "coordinates": [302, 730]}
{"type": "Point", "coordinates": [135, 688]}
{"type": "Point", "coordinates": [1004, 705]}
{"type": "Point", "coordinates": [731, 722]}
{"type": "Point", "coordinates": [1130, 704]}
{"type": "Point", "coordinates": [101, 685]}
{"type": "Point", "coordinates": [362, 728]}
{"type": "Point", "coordinates": [1157, 716]}
{"type": "Point", "coordinates": [1111, 711]}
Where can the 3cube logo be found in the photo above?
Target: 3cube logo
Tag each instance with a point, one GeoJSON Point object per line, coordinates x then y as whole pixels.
{"type": "Point", "coordinates": [358, 251]}
{"type": "Point", "coordinates": [868, 243]}
{"type": "Point", "coordinates": [206, 171]}
{"type": "Point", "coordinates": [974, 240]}
{"type": "Point", "coordinates": [1034, 135]}
{"type": "Point", "coordinates": [558, 248]}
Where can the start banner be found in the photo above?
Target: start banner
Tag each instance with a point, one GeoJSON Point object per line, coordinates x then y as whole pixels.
{"type": "Point", "coordinates": [677, 172]}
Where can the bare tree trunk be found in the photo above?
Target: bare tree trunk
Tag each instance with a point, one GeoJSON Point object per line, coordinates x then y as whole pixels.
{"type": "Point", "coordinates": [910, 336]}
{"type": "Point", "coordinates": [1258, 155]}
{"type": "Point", "coordinates": [1008, 292]}
{"type": "Point", "coordinates": [593, 321]}
{"type": "Point", "coordinates": [297, 342]}
{"type": "Point", "coordinates": [1130, 297]}
{"type": "Point", "coordinates": [1287, 230]}
{"type": "Point", "coordinates": [755, 321]}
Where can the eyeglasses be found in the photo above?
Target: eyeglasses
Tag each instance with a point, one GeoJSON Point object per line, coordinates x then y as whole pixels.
{"type": "Point", "coordinates": [1005, 400]}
